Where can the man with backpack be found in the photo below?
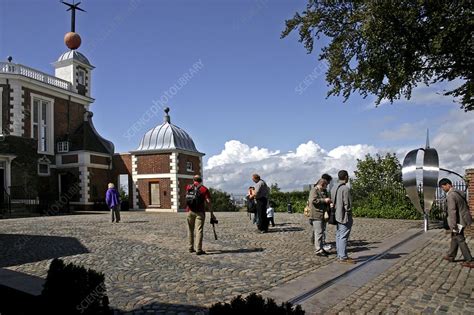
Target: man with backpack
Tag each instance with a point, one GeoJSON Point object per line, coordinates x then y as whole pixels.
{"type": "Point", "coordinates": [197, 195]}
{"type": "Point", "coordinates": [459, 217]}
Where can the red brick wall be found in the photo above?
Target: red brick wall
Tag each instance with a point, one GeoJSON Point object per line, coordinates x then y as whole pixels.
{"type": "Point", "coordinates": [182, 183]}
{"type": "Point", "coordinates": [98, 181]}
{"type": "Point", "coordinates": [76, 114]}
{"type": "Point", "coordinates": [122, 164]}
{"type": "Point", "coordinates": [153, 164]}
{"type": "Point", "coordinates": [183, 158]}
{"type": "Point", "coordinates": [68, 159]}
{"type": "Point", "coordinates": [470, 177]}
{"type": "Point", "coordinates": [144, 193]}
{"type": "Point", "coordinates": [96, 159]}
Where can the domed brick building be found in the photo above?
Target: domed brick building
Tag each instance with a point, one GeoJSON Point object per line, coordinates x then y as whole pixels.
{"type": "Point", "coordinates": [160, 168]}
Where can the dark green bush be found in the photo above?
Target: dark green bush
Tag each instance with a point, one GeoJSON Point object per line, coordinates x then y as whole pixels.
{"type": "Point", "coordinates": [72, 289]}
{"type": "Point", "coordinates": [254, 304]}
{"type": "Point", "coordinates": [297, 199]}
{"type": "Point", "coordinates": [221, 201]}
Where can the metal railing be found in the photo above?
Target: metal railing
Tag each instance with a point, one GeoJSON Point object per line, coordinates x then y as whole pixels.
{"type": "Point", "coordinates": [14, 68]}
{"type": "Point", "coordinates": [6, 204]}
{"type": "Point", "coordinates": [20, 196]}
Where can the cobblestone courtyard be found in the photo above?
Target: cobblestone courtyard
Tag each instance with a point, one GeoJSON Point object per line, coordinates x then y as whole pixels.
{"type": "Point", "coordinates": [148, 267]}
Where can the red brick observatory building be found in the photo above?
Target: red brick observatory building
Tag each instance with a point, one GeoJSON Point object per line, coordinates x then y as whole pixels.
{"type": "Point", "coordinates": [50, 150]}
{"type": "Point", "coordinates": [160, 168]}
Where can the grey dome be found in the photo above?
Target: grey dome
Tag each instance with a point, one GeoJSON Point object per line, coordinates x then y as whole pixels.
{"type": "Point", "coordinates": [74, 55]}
{"type": "Point", "coordinates": [167, 137]}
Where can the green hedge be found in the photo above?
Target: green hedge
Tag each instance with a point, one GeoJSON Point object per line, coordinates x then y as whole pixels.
{"type": "Point", "coordinates": [383, 205]}
{"type": "Point", "coordinates": [298, 200]}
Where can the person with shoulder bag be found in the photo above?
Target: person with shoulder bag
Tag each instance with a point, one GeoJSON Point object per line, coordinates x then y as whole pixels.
{"type": "Point", "coordinates": [318, 205]}
{"type": "Point", "coordinates": [343, 215]}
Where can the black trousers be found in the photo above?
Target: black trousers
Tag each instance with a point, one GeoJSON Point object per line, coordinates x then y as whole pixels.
{"type": "Point", "coordinates": [262, 214]}
{"type": "Point", "coordinates": [458, 240]}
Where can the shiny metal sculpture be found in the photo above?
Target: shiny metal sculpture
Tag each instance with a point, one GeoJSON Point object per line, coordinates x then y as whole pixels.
{"type": "Point", "coordinates": [430, 171]}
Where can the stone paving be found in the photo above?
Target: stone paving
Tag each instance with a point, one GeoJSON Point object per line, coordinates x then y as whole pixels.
{"type": "Point", "coordinates": [422, 282]}
{"type": "Point", "coordinates": [148, 268]}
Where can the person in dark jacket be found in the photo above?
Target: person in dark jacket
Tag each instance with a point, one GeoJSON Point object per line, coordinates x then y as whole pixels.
{"type": "Point", "coordinates": [112, 199]}
{"type": "Point", "coordinates": [459, 217]}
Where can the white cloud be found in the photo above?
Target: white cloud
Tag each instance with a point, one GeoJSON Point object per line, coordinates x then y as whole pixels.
{"type": "Point", "coordinates": [232, 168]}
{"type": "Point", "coordinates": [291, 170]}
{"type": "Point", "coordinates": [235, 151]}
{"type": "Point", "coordinates": [405, 131]}
{"type": "Point", "coordinates": [423, 95]}
{"type": "Point", "coordinates": [455, 141]}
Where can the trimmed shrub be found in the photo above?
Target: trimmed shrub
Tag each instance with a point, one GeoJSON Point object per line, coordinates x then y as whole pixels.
{"type": "Point", "coordinates": [72, 289]}
{"type": "Point", "coordinates": [254, 304]}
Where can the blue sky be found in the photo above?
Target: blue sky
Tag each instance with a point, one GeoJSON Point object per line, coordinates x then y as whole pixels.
{"type": "Point", "coordinates": [249, 88]}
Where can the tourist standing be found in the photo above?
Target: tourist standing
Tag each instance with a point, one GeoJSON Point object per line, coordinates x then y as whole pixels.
{"type": "Point", "coordinates": [459, 217]}
{"type": "Point", "coordinates": [327, 247]}
{"type": "Point", "coordinates": [112, 198]}
{"type": "Point", "coordinates": [319, 202]}
{"type": "Point", "coordinates": [251, 204]}
{"type": "Point", "coordinates": [261, 196]}
{"type": "Point", "coordinates": [341, 197]}
{"type": "Point", "coordinates": [197, 196]}
{"type": "Point", "coordinates": [271, 214]}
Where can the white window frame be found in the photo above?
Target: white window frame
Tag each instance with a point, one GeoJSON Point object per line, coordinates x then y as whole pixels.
{"type": "Point", "coordinates": [62, 146]}
{"type": "Point", "coordinates": [189, 166]}
{"type": "Point", "coordinates": [49, 102]}
{"type": "Point", "coordinates": [44, 161]}
{"type": "Point", "coordinates": [83, 76]}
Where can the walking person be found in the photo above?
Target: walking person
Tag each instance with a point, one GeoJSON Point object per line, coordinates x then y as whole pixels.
{"type": "Point", "coordinates": [197, 196]}
{"type": "Point", "coordinates": [261, 196]}
{"type": "Point", "coordinates": [319, 202]}
{"type": "Point", "coordinates": [341, 197]}
{"type": "Point", "coordinates": [112, 199]}
{"type": "Point", "coordinates": [459, 217]}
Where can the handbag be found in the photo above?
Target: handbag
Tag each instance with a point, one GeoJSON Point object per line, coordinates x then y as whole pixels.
{"type": "Point", "coordinates": [332, 210]}
{"type": "Point", "coordinates": [307, 210]}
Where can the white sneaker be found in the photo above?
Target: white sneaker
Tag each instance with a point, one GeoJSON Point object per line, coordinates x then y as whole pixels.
{"type": "Point", "coordinates": [327, 247]}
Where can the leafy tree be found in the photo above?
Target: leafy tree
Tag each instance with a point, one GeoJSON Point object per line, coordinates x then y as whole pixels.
{"type": "Point", "coordinates": [386, 48]}
{"type": "Point", "coordinates": [274, 188]}
{"type": "Point", "coordinates": [377, 172]}
{"type": "Point", "coordinates": [378, 190]}
{"type": "Point", "coordinates": [221, 201]}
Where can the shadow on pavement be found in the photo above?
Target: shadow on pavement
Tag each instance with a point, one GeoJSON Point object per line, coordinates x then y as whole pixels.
{"type": "Point", "coordinates": [284, 229]}
{"type": "Point", "coordinates": [234, 251]}
{"type": "Point", "coordinates": [386, 256]}
{"type": "Point", "coordinates": [165, 308]}
{"type": "Point", "coordinates": [354, 246]}
{"type": "Point", "coordinates": [18, 249]}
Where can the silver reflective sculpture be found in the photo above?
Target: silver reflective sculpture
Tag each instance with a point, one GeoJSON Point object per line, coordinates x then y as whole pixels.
{"type": "Point", "coordinates": [430, 171]}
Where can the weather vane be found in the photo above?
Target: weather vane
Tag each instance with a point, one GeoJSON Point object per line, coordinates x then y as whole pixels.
{"type": "Point", "coordinates": [73, 7]}
{"type": "Point", "coordinates": [72, 39]}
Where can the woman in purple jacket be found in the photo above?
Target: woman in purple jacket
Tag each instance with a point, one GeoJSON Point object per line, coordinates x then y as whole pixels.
{"type": "Point", "coordinates": [112, 199]}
